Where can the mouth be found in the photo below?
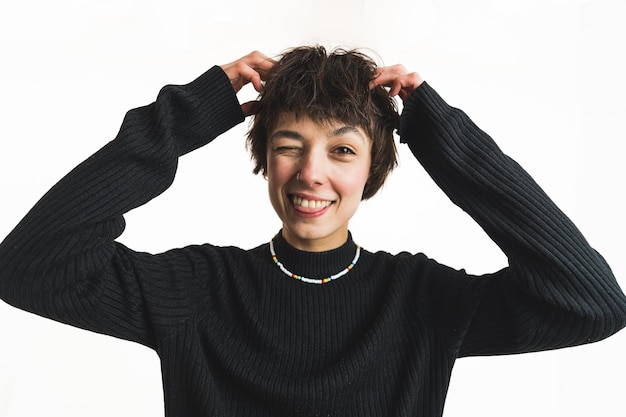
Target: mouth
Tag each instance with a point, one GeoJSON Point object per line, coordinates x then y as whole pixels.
{"type": "Point", "coordinates": [309, 204]}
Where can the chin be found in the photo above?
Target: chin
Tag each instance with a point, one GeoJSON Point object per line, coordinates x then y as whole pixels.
{"type": "Point", "coordinates": [306, 233]}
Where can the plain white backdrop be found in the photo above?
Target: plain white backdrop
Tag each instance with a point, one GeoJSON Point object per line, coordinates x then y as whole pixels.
{"type": "Point", "coordinates": [545, 78]}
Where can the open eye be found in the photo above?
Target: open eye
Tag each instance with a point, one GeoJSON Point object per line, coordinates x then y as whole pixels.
{"type": "Point", "coordinates": [344, 150]}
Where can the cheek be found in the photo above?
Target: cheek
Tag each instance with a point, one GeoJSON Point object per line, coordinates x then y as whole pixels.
{"type": "Point", "coordinates": [354, 182]}
{"type": "Point", "coordinates": [365, 171]}
{"type": "Point", "coordinates": [278, 172]}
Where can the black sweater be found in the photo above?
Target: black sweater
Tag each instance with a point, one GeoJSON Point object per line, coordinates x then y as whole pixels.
{"type": "Point", "coordinates": [236, 337]}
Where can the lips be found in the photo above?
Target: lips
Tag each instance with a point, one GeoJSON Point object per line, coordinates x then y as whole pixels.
{"type": "Point", "coordinates": [309, 203]}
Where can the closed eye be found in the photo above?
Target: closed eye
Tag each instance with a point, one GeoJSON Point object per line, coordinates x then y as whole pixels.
{"type": "Point", "coordinates": [287, 149]}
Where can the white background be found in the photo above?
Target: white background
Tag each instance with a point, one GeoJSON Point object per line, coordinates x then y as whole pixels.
{"type": "Point", "coordinates": [544, 78]}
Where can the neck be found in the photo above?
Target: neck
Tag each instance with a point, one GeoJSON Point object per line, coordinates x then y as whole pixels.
{"type": "Point", "coordinates": [316, 244]}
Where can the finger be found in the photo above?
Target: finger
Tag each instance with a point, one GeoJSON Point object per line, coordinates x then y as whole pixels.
{"type": "Point", "coordinates": [410, 83]}
{"type": "Point", "coordinates": [376, 78]}
{"type": "Point", "coordinates": [248, 75]}
{"type": "Point", "coordinates": [384, 78]}
{"type": "Point", "coordinates": [255, 79]}
{"type": "Point", "coordinates": [249, 108]}
{"type": "Point", "coordinates": [396, 87]}
{"type": "Point", "coordinates": [259, 62]}
{"type": "Point", "coordinates": [405, 85]}
{"type": "Point", "coordinates": [264, 66]}
{"type": "Point", "coordinates": [387, 75]}
{"type": "Point", "coordinates": [250, 68]}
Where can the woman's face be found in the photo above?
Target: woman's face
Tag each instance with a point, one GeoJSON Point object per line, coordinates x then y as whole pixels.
{"type": "Point", "coordinates": [316, 174]}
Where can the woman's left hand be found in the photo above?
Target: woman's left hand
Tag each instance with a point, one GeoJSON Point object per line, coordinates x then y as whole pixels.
{"type": "Point", "coordinates": [401, 82]}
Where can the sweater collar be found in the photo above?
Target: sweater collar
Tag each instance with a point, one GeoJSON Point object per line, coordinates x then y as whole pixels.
{"type": "Point", "coordinates": [314, 264]}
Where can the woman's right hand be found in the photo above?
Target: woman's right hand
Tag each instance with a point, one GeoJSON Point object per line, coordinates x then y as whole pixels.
{"type": "Point", "coordinates": [251, 68]}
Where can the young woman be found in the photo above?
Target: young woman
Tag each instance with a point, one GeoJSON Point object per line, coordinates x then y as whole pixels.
{"type": "Point", "coordinates": [309, 324]}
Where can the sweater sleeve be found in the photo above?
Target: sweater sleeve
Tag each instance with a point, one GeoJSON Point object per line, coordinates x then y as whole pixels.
{"type": "Point", "coordinates": [556, 291]}
{"type": "Point", "coordinates": [61, 261]}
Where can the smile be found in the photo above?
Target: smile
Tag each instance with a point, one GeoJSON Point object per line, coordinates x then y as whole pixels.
{"type": "Point", "coordinates": [311, 204]}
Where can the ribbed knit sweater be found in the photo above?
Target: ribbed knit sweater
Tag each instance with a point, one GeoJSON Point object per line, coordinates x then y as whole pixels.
{"type": "Point", "coordinates": [237, 337]}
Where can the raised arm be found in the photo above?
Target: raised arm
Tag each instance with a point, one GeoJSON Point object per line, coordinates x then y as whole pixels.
{"type": "Point", "coordinates": [62, 261]}
{"type": "Point", "coordinates": [557, 290]}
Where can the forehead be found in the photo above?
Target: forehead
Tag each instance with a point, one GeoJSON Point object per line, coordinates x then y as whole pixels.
{"type": "Point", "coordinates": [305, 126]}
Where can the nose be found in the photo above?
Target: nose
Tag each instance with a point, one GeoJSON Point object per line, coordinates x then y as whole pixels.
{"type": "Point", "coordinates": [312, 168]}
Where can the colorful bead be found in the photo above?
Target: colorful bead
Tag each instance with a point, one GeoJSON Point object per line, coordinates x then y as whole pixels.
{"type": "Point", "coordinates": [312, 280]}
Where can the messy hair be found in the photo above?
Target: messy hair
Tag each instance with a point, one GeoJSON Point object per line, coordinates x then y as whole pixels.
{"type": "Point", "coordinates": [309, 81]}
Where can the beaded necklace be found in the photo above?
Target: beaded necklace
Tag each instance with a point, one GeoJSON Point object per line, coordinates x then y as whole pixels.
{"type": "Point", "coordinates": [312, 280]}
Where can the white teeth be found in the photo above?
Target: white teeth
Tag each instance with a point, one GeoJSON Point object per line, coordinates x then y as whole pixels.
{"type": "Point", "coordinates": [304, 203]}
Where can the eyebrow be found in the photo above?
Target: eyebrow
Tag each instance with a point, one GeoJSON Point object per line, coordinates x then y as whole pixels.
{"type": "Point", "coordinates": [347, 129]}
{"type": "Point", "coordinates": [292, 134]}
{"type": "Point", "coordinates": [285, 133]}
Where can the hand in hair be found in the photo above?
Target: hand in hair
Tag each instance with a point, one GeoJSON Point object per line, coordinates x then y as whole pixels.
{"type": "Point", "coordinates": [251, 68]}
{"type": "Point", "coordinates": [398, 79]}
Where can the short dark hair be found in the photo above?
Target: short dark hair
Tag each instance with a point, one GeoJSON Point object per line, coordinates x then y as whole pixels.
{"type": "Point", "coordinates": [308, 81]}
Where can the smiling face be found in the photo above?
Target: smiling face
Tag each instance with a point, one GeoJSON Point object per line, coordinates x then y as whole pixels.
{"type": "Point", "coordinates": [316, 175]}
